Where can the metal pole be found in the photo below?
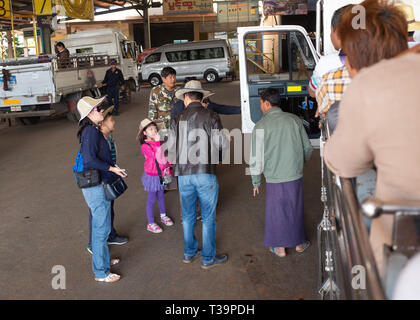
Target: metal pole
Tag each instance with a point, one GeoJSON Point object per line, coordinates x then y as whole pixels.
{"type": "Point", "coordinates": [13, 36]}
{"type": "Point", "coordinates": [35, 35]}
{"type": "Point", "coordinates": [146, 25]}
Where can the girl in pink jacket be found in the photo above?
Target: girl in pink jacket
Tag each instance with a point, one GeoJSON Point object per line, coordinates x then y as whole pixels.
{"type": "Point", "coordinates": [151, 149]}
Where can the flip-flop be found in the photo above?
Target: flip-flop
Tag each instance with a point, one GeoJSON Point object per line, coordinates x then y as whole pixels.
{"type": "Point", "coordinates": [307, 245]}
{"type": "Point", "coordinates": [114, 262]}
{"type": "Point", "coordinates": [278, 255]}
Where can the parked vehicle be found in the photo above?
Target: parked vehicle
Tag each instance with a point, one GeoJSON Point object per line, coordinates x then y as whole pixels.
{"type": "Point", "coordinates": [210, 60]}
{"type": "Point", "coordinates": [37, 86]}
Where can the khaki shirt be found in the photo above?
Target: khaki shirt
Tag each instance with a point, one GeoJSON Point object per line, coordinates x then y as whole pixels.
{"type": "Point", "coordinates": [160, 104]}
{"type": "Point", "coordinates": [379, 124]}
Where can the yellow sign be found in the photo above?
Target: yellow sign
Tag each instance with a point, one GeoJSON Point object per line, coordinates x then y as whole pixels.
{"type": "Point", "coordinates": [9, 102]}
{"type": "Point", "coordinates": [42, 7]}
{"type": "Point", "coordinates": [5, 9]}
{"type": "Point", "coordinates": [294, 89]}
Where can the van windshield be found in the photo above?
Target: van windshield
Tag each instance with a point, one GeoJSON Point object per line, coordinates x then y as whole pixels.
{"type": "Point", "coordinates": [278, 56]}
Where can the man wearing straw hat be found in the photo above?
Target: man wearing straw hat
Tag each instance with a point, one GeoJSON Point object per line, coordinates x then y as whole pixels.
{"type": "Point", "coordinates": [197, 136]}
{"type": "Point", "coordinates": [413, 25]}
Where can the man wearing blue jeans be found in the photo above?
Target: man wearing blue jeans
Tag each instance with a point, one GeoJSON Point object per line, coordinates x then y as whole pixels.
{"type": "Point", "coordinates": [196, 136]}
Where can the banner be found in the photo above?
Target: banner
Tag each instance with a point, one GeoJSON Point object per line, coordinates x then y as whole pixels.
{"type": "Point", "coordinates": [5, 9]}
{"type": "Point", "coordinates": [238, 11]}
{"type": "Point", "coordinates": [42, 7]}
{"type": "Point", "coordinates": [187, 7]}
{"type": "Point", "coordinates": [81, 9]}
{"type": "Point", "coordinates": [285, 7]}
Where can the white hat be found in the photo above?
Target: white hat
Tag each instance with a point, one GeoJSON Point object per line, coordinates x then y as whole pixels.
{"type": "Point", "coordinates": [86, 105]}
{"type": "Point", "coordinates": [192, 86]}
{"type": "Point", "coordinates": [160, 124]}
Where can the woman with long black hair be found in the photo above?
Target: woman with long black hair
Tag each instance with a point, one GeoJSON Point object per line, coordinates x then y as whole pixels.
{"type": "Point", "coordinates": [97, 156]}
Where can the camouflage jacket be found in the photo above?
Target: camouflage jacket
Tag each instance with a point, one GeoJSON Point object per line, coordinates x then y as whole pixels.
{"type": "Point", "coordinates": [160, 104]}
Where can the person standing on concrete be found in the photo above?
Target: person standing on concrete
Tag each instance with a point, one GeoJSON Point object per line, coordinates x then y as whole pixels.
{"type": "Point", "coordinates": [107, 128]}
{"type": "Point", "coordinates": [279, 149]}
{"type": "Point", "coordinates": [114, 80]}
{"type": "Point", "coordinates": [162, 98]}
{"type": "Point", "coordinates": [97, 156]}
{"type": "Point", "coordinates": [151, 149]}
{"type": "Point", "coordinates": [197, 172]}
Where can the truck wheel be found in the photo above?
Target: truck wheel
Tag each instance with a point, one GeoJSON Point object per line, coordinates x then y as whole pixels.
{"type": "Point", "coordinates": [211, 76]}
{"type": "Point", "coordinates": [155, 80]}
{"type": "Point", "coordinates": [28, 120]}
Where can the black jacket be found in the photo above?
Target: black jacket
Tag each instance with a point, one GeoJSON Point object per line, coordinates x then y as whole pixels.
{"type": "Point", "coordinates": [113, 79]}
{"type": "Point", "coordinates": [195, 141]}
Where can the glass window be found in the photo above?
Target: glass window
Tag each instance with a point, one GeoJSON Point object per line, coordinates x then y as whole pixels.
{"type": "Point", "coordinates": [152, 58]}
{"type": "Point", "coordinates": [194, 55]}
{"type": "Point", "coordinates": [278, 56]}
{"type": "Point", "coordinates": [211, 53]}
{"type": "Point", "coordinates": [177, 56]}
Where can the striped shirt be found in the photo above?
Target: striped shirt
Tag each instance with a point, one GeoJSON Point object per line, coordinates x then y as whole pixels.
{"type": "Point", "coordinates": [113, 149]}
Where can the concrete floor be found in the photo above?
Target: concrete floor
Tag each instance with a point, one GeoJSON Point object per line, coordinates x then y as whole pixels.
{"type": "Point", "coordinates": [44, 222]}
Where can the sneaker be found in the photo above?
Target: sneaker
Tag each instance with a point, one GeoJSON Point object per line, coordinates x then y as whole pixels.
{"type": "Point", "coordinates": [112, 277]}
{"type": "Point", "coordinates": [89, 249]}
{"type": "Point", "coordinates": [118, 240]}
{"type": "Point", "coordinates": [215, 262]}
{"type": "Point", "coordinates": [166, 220]}
{"type": "Point", "coordinates": [189, 259]}
{"type": "Point", "coordinates": [154, 228]}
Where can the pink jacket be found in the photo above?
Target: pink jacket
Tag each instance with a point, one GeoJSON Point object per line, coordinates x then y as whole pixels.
{"type": "Point", "coordinates": [150, 153]}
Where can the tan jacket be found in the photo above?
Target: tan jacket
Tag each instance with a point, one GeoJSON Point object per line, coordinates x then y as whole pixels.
{"type": "Point", "coordinates": [379, 124]}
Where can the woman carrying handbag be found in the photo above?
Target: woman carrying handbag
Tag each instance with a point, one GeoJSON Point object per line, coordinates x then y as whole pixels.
{"type": "Point", "coordinates": [99, 170]}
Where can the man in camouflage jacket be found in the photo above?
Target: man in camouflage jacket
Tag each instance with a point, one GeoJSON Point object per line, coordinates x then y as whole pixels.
{"type": "Point", "coordinates": [162, 97]}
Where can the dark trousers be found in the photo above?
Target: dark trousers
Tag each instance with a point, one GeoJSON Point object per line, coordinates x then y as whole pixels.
{"type": "Point", "coordinates": [113, 233]}
{"type": "Point", "coordinates": [113, 97]}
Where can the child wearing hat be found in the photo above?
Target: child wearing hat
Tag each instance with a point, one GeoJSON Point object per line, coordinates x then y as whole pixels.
{"type": "Point", "coordinates": [151, 148]}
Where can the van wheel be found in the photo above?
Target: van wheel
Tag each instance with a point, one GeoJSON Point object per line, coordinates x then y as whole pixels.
{"type": "Point", "coordinates": [211, 76]}
{"type": "Point", "coordinates": [155, 80]}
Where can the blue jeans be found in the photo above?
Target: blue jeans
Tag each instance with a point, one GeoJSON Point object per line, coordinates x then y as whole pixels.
{"type": "Point", "coordinates": [113, 233]}
{"type": "Point", "coordinates": [206, 188]}
{"type": "Point", "coordinates": [101, 227]}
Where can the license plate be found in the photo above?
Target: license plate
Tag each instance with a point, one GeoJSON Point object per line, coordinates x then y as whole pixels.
{"type": "Point", "coordinates": [17, 108]}
{"type": "Point", "coordinates": [8, 102]}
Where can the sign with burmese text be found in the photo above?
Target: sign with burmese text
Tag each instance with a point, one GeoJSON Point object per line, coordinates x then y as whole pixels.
{"type": "Point", "coordinates": [187, 7]}
{"type": "Point", "coordinates": [238, 11]}
{"type": "Point", "coordinates": [285, 7]}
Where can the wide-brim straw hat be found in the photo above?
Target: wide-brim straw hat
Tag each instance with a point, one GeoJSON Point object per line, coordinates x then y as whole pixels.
{"type": "Point", "coordinates": [86, 105]}
{"type": "Point", "coordinates": [160, 124]}
{"type": "Point", "coordinates": [108, 111]}
{"type": "Point", "coordinates": [408, 11]}
{"type": "Point", "coordinates": [192, 86]}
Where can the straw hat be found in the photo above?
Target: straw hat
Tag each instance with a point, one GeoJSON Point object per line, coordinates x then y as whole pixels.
{"type": "Point", "coordinates": [108, 111]}
{"type": "Point", "coordinates": [145, 122]}
{"type": "Point", "coordinates": [192, 86]}
{"type": "Point", "coordinates": [86, 105]}
{"type": "Point", "coordinates": [408, 11]}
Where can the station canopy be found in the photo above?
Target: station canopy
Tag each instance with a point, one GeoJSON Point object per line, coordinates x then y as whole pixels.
{"type": "Point", "coordinates": [23, 10]}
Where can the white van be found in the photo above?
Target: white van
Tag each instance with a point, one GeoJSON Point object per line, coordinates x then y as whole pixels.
{"type": "Point", "coordinates": [210, 60]}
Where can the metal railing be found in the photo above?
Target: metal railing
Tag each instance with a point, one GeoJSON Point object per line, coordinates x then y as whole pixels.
{"type": "Point", "coordinates": [347, 265]}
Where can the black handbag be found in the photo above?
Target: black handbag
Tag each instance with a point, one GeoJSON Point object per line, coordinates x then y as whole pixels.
{"type": "Point", "coordinates": [115, 189]}
{"type": "Point", "coordinates": [88, 178]}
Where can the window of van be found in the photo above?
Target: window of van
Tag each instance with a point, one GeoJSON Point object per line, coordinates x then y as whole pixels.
{"type": "Point", "coordinates": [211, 53]}
{"type": "Point", "coordinates": [84, 50]}
{"type": "Point", "coordinates": [177, 56]}
{"type": "Point", "coordinates": [154, 57]}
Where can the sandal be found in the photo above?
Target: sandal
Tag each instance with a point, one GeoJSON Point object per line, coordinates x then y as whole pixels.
{"type": "Point", "coordinates": [115, 261]}
{"type": "Point", "coordinates": [272, 249]}
{"type": "Point", "coordinates": [307, 245]}
{"type": "Point", "coordinates": [112, 277]}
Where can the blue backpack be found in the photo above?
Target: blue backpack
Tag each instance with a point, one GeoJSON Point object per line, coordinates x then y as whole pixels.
{"type": "Point", "coordinates": [78, 165]}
